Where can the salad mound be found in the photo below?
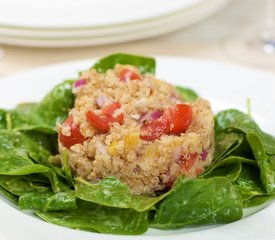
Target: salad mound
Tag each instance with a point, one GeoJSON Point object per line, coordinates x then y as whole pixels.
{"type": "Point", "coordinates": [136, 128]}
{"type": "Point", "coordinates": [96, 122]}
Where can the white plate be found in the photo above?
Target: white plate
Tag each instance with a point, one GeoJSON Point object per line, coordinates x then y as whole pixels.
{"type": "Point", "coordinates": [84, 13]}
{"type": "Point", "coordinates": [108, 35]}
{"type": "Point", "coordinates": [224, 85]}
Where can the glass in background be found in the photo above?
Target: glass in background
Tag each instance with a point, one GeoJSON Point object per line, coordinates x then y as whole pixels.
{"type": "Point", "coordinates": [267, 41]}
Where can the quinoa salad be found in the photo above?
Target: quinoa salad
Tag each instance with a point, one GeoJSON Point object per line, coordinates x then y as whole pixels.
{"type": "Point", "coordinates": [119, 150]}
{"type": "Point", "coordinates": [135, 147]}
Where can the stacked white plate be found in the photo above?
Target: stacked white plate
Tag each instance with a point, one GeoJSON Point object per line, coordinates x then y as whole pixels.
{"type": "Point", "coordinates": [64, 23]}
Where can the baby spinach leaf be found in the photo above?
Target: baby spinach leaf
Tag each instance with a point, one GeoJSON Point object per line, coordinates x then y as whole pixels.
{"type": "Point", "coordinates": [113, 193]}
{"type": "Point", "coordinates": [227, 141]}
{"type": "Point", "coordinates": [48, 201]}
{"type": "Point", "coordinates": [21, 116]}
{"type": "Point", "coordinates": [265, 161]}
{"type": "Point", "coordinates": [44, 116]}
{"type": "Point", "coordinates": [17, 165]}
{"type": "Point", "coordinates": [54, 107]}
{"type": "Point", "coordinates": [14, 165]}
{"type": "Point", "coordinates": [19, 185]}
{"type": "Point", "coordinates": [231, 171]}
{"type": "Point", "coordinates": [187, 94]}
{"type": "Point", "coordinates": [48, 142]}
{"type": "Point", "coordinates": [3, 124]}
{"type": "Point", "coordinates": [199, 201]}
{"type": "Point", "coordinates": [258, 200]}
{"type": "Point", "coordinates": [235, 119]}
{"type": "Point", "coordinates": [13, 143]}
{"type": "Point", "coordinates": [66, 168]}
{"type": "Point", "coordinates": [13, 198]}
{"type": "Point", "coordinates": [249, 183]}
{"type": "Point", "coordinates": [144, 64]}
{"type": "Point", "coordinates": [269, 142]}
{"type": "Point", "coordinates": [226, 162]}
{"type": "Point", "coordinates": [244, 150]}
{"type": "Point", "coordinates": [24, 109]}
{"type": "Point", "coordinates": [20, 155]}
{"type": "Point", "coordinates": [97, 218]}
{"type": "Point", "coordinates": [233, 159]}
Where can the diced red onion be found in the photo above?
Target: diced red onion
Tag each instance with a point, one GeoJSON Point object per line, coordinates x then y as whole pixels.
{"type": "Point", "coordinates": [150, 116]}
{"type": "Point", "coordinates": [155, 115]}
{"type": "Point", "coordinates": [102, 100]}
{"type": "Point", "coordinates": [79, 84]}
{"type": "Point", "coordinates": [204, 155]}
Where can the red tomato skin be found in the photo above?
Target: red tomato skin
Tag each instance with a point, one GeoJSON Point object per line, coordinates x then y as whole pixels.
{"type": "Point", "coordinates": [127, 74]}
{"type": "Point", "coordinates": [97, 121]}
{"type": "Point", "coordinates": [181, 118]}
{"type": "Point", "coordinates": [102, 121]}
{"type": "Point", "coordinates": [110, 109]}
{"type": "Point", "coordinates": [154, 129]}
{"type": "Point", "coordinates": [188, 163]}
{"type": "Point", "coordinates": [75, 138]}
{"type": "Point", "coordinates": [174, 120]}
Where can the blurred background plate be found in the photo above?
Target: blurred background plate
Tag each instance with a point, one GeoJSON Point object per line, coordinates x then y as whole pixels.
{"type": "Point", "coordinates": [189, 12]}
{"type": "Point", "coordinates": [59, 14]}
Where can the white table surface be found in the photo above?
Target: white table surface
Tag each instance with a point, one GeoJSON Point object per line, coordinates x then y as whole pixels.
{"type": "Point", "coordinates": [203, 40]}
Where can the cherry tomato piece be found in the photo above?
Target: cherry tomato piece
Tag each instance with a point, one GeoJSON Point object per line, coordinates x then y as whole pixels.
{"type": "Point", "coordinates": [189, 162]}
{"type": "Point", "coordinates": [103, 120]}
{"type": "Point", "coordinates": [173, 121]}
{"type": "Point", "coordinates": [75, 137]}
{"type": "Point", "coordinates": [98, 121]}
{"type": "Point", "coordinates": [180, 119]}
{"type": "Point", "coordinates": [155, 128]}
{"type": "Point", "coordinates": [127, 74]}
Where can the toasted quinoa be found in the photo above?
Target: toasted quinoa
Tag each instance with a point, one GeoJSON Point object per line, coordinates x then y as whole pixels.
{"type": "Point", "coordinates": [145, 166]}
